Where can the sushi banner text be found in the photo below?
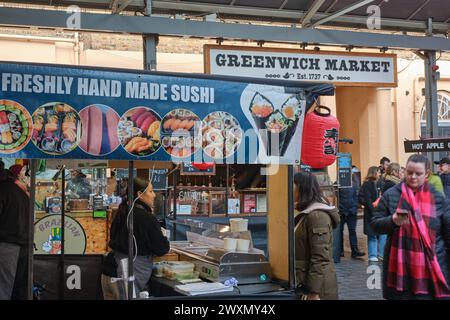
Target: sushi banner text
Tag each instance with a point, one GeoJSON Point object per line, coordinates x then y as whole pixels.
{"type": "Point", "coordinates": [60, 112]}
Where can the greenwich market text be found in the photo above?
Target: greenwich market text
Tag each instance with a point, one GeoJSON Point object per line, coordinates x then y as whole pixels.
{"type": "Point", "coordinates": [64, 85]}
{"type": "Point", "coordinates": [261, 61]}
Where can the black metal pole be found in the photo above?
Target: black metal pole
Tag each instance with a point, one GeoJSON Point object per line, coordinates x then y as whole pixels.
{"type": "Point", "coordinates": [63, 224]}
{"type": "Point", "coordinates": [130, 229]}
{"type": "Point", "coordinates": [291, 227]}
{"type": "Point", "coordinates": [174, 226]}
{"type": "Point", "coordinates": [227, 193]}
{"type": "Point", "coordinates": [33, 166]}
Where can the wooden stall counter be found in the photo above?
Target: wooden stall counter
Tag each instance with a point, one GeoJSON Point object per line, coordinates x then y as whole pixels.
{"type": "Point", "coordinates": [171, 256]}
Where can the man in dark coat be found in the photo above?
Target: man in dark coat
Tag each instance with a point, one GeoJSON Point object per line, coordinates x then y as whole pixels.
{"type": "Point", "coordinates": [348, 206]}
{"type": "Point", "coordinates": [14, 222]}
{"type": "Point", "coordinates": [444, 169]}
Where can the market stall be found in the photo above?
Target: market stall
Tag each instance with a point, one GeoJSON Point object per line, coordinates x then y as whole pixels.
{"type": "Point", "coordinates": [142, 122]}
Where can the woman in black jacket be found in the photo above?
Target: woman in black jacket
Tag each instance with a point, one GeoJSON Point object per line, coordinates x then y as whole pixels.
{"type": "Point", "coordinates": [367, 196]}
{"type": "Point", "coordinates": [417, 220]}
{"type": "Point", "coordinates": [149, 239]}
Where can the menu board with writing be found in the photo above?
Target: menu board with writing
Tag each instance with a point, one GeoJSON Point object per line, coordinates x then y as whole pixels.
{"type": "Point", "coordinates": [158, 178]}
{"type": "Point", "coordinates": [189, 169]}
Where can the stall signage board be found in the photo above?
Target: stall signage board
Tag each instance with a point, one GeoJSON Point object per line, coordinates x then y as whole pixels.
{"type": "Point", "coordinates": [158, 178]}
{"type": "Point", "coordinates": [340, 68]}
{"type": "Point", "coordinates": [62, 112]}
{"type": "Point", "coordinates": [428, 145]}
{"type": "Point", "coordinates": [189, 169]}
{"type": "Point", "coordinates": [47, 235]}
{"type": "Point", "coordinates": [344, 170]}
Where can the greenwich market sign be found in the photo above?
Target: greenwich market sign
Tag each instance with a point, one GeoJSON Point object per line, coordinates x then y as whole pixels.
{"type": "Point", "coordinates": [340, 68]}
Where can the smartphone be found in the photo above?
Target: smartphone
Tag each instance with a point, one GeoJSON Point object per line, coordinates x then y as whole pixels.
{"type": "Point", "coordinates": [402, 212]}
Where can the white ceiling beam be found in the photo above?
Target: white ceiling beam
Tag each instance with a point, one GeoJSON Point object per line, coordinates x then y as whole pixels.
{"type": "Point", "coordinates": [122, 6]}
{"type": "Point", "coordinates": [114, 5]}
{"type": "Point", "coordinates": [283, 4]}
{"type": "Point", "coordinates": [418, 9]}
{"type": "Point", "coordinates": [339, 13]}
{"type": "Point", "coordinates": [311, 12]}
{"type": "Point", "coordinates": [331, 6]}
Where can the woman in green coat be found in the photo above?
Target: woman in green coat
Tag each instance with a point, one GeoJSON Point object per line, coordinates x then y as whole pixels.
{"type": "Point", "coordinates": [315, 220]}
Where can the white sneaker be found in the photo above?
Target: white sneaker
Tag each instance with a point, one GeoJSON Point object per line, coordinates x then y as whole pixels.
{"type": "Point", "coordinates": [373, 259]}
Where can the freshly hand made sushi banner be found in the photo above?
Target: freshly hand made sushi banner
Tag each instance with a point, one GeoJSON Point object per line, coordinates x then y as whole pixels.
{"type": "Point", "coordinates": [72, 113]}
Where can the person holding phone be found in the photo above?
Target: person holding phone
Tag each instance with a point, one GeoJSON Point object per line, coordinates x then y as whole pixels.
{"type": "Point", "coordinates": [416, 219]}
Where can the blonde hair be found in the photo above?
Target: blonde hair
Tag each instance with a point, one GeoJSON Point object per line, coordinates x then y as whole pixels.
{"type": "Point", "coordinates": [393, 168]}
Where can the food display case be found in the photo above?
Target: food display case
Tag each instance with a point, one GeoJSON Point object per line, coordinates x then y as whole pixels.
{"type": "Point", "coordinates": [218, 265]}
{"type": "Point", "coordinates": [205, 248]}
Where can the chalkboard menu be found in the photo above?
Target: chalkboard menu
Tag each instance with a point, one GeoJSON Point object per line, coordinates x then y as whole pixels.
{"type": "Point", "coordinates": [158, 178]}
{"type": "Point", "coordinates": [345, 170]}
{"type": "Point", "coordinates": [189, 169]}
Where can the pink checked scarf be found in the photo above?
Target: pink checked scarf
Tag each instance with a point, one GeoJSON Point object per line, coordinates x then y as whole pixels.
{"type": "Point", "coordinates": [412, 261]}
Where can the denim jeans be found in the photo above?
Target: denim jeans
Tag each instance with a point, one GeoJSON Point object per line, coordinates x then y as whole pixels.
{"type": "Point", "coordinates": [376, 245]}
{"type": "Point", "coordinates": [351, 221]}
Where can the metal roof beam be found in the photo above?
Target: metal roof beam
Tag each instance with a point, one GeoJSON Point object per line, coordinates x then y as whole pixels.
{"type": "Point", "coordinates": [293, 15]}
{"type": "Point", "coordinates": [331, 6]}
{"type": "Point", "coordinates": [122, 6]}
{"type": "Point", "coordinates": [114, 5]}
{"type": "Point", "coordinates": [283, 4]}
{"type": "Point", "coordinates": [54, 19]}
{"type": "Point", "coordinates": [418, 9]}
{"type": "Point", "coordinates": [339, 13]}
{"type": "Point", "coordinates": [311, 12]}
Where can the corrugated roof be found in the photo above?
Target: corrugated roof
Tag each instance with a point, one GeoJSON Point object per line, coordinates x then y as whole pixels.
{"type": "Point", "coordinates": [408, 15]}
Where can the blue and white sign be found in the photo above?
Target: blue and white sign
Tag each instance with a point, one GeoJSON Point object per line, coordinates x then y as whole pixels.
{"type": "Point", "coordinates": [59, 112]}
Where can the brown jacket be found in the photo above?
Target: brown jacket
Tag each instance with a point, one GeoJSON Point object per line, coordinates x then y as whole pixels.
{"type": "Point", "coordinates": [314, 249]}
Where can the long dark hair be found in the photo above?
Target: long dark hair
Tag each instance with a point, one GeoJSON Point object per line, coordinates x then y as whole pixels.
{"type": "Point", "coordinates": [308, 190]}
{"type": "Point", "coordinates": [372, 174]}
{"type": "Point", "coordinates": [139, 185]}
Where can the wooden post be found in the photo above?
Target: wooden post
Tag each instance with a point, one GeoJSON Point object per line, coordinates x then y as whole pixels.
{"type": "Point", "coordinates": [278, 222]}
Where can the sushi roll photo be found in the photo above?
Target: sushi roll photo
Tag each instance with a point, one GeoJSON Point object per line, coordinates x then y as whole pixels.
{"type": "Point", "coordinates": [260, 108]}
{"type": "Point", "coordinates": [57, 128]}
{"type": "Point", "coordinates": [277, 127]}
{"type": "Point", "coordinates": [15, 126]}
{"type": "Point", "coordinates": [291, 109]}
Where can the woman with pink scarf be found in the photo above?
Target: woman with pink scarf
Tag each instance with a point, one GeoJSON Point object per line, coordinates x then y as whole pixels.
{"type": "Point", "coordinates": [416, 219]}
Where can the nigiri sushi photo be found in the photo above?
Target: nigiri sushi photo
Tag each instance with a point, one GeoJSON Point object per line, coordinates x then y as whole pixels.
{"type": "Point", "coordinates": [142, 126]}
{"type": "Point", "coordinates": [100, 134]}
{"type": "Point", "coordinates": [179, 120]}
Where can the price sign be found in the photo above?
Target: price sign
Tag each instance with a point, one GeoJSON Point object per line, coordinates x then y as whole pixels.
{"type": "Point", "coordinates": [158, 178]}
{"type": "Point", "coordinates": [345, 170]}
{"type": "Point", "coordinates": [189, 169]}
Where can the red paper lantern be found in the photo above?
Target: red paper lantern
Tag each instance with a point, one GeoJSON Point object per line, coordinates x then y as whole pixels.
{"type": "Point", "coordinates": [320, 138]}
{"type": "Point", "coordinates": [202, 165]}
